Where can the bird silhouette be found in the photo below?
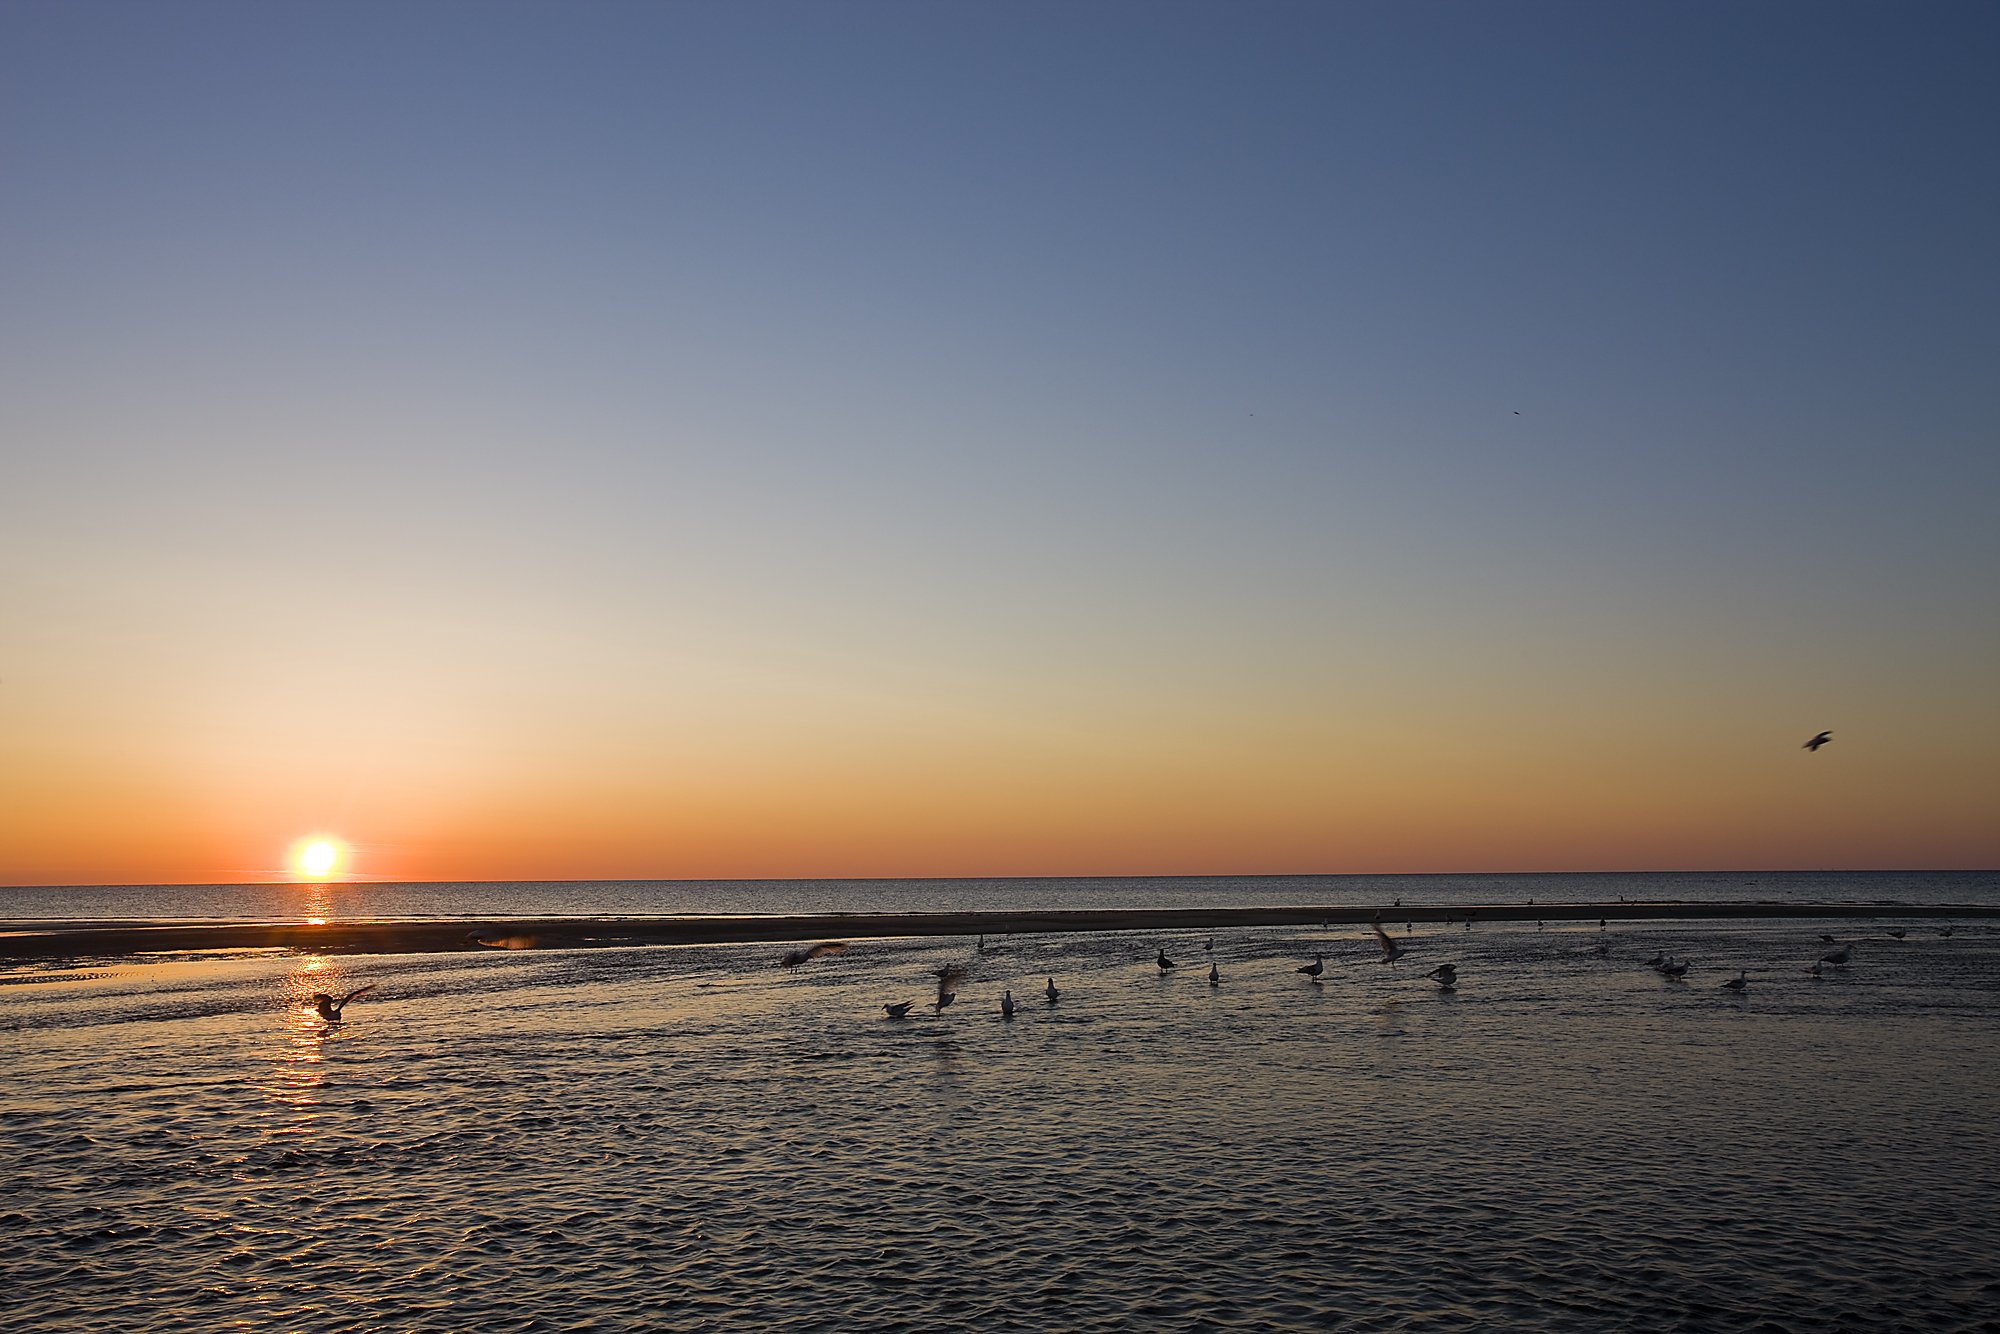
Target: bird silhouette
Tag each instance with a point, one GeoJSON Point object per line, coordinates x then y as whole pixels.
{"type": "Point", "coordinates": [948, 978]}
{"type": "Point", "coordinates": [1897, 933]}
{"type": "Point", "coordinates": [329, 1008]}
{"type": "Point", "coordinates": [1818, 741]}
{"type": "Point", "coordinates": [807, 955]}
{"type": "Point", "coordinates": [1214, 977]}
{"type": "Point", "coordinates": [1738, 983]}
{"type": "Point", "coordinates": [1674, 971]}
{"type": "Point", "coordinates": [1007, 1004]}
{"type": "Point", "coordinates": [1165, 963]}
{"type": "Point", "coordinates": [1839, 956]}
{"type": "Point", "coordinates": [1315, 968]}
{"type": "Point", "coordinates": [1391, 951]}
{"type": "Point", "coordinates": [899, 1009]}
{"type": "Point", "coordinates": [1051, 992]}
{"type": "Point", "coordinates": [1444, 972]}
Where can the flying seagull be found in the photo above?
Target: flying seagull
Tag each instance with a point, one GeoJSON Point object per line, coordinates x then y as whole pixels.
{"type": "Point", "coordinates": [948, 978]}
{"type": "Point", "coordinates": [1818, 741]}
{"type": "Point", "coordinates": [1445, 973]}
{"type": "Point", "coordinates": [329, 1008]}
{"type": "Point", "coordinates": [1391, 951]}
{"type": "Point", "coordinates": [899, 1009]}
{"type": "Point", "coordinates": [797, 957]}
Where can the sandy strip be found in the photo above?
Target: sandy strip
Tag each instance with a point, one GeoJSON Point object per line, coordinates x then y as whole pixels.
{"type": "Point", "coordinates": [39, 941]}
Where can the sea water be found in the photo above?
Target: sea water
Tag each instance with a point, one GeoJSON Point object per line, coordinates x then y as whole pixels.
{"type": "Point", "coordinates": [693, 1137]}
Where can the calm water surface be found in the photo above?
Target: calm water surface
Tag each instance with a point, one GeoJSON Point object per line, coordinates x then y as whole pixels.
{"type": "Point", "coordinates": [691, 1137]}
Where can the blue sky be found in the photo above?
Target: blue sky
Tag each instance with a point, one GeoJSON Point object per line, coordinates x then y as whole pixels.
{"type": "Point", "coordinates": [812, 391]}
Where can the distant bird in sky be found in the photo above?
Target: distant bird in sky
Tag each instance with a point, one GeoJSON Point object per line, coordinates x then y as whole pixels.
{"type": "Point", "coordinates": [1051, 992]}
{"type": "Point", "coordinates": [1165, 963]}
{"type": "Point", "coordinates": [1007, 1004]}
{"type": "Point", "coordinates": [1738, 983]}
{"type": "Point", "coordinates": [1391, 951]}
{"type": "Point", "coordinates": [899, 1009]}
{"type": "Point", "coordinates": [329, 1008]}
{"type": "Point", "coordinates": [1818, 741]}
{"type": "Point", "coordinates": [807, 955]}
{"type": "Point", "coordinates": [1214, 977]}
{"type": "Point", "coordinates": [948, 978]}
{"type": "Point", "coordinates": [1315, 968]}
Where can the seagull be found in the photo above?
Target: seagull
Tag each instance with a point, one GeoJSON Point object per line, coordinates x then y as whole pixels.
{"type": "Point", "coordinates": [1051, 992]}
{"type": "Point", "coordinates": [899, 1009]}
{"type": "Point", "coordinates": [1391, 951]}
{"type": "Point", "coordinates": [1841, 955]}
{"type": "Point", "coordinates": [1315, 968]}
{"type": "Point", "coordinates": [1211, 943]}
{"type": "Point", "coordinates": [329, 1008]}
{"type": "Point", "coordinates": [1007, 1004]}
{"type": "Point", "coordinates": [1737, 983]}
{"type": "Point", "coordinates": [1445, 973]}
{"type": "Point", "coordinates": [948, 978]}
{"type": "Point", "coordinates": [1897, 934]}
{"type": "Point", "coordinates": [982, 944]}
{"type": "Point", "coordinates": [1818, 741]}
{"type": "Point", "coordinates": [1165, 963]}
{"type": "Point", "coordinates": [1828, 939]}
{"type": "Point", "coordinates": [1657, 961]}
{"type": "Point", "coordinates": [1214, 978]}
{"type": "Point", "coordinates": [1674, 971]}
{"type": "Point", "coordinates": [797, 957]}
{"type": "Point", "coordinates": [1447, 986]}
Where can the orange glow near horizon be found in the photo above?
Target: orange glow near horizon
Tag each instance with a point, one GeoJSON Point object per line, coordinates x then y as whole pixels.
{"type": "Point", "coordinates": [317, 858]}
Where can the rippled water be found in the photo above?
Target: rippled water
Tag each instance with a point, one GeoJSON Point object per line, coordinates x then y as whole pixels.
{"type": "Point", "coordinates": [691, 1138]}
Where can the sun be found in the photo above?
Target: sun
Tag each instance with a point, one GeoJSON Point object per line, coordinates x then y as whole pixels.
{"type": "Point", "coordinates": [317, 857]}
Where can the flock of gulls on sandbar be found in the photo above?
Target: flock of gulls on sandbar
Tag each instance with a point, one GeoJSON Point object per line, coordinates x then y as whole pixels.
{"type": "Point", "coordinates": [1445, 976]}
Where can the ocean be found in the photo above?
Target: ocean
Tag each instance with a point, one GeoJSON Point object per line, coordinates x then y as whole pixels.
{"type": "Point", "coordinates": [692, 1137]}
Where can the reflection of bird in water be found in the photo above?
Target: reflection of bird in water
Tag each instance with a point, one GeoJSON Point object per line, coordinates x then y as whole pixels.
{"type": "Point", "coordinates": [1839, 956]}
{"type": "Point", "coordinates": [1164, 962]}
{"type": "Point", "coordinates": [1315, 968]}
{"type": "Point", "coordinates": [1819, 741]}
{"type": "Point", "coordinates": [329, 1008]}
{"type": "Point", "coordinates": [899, 1009]}
{"type": "Point", "coordinates": [948, 978]}
{"type": "Point", "coordinates": [1391, 951]}
{"type": "Point", "coordinates": [797, 957]}
{"type": "Point", "coordinates": [1214, 977]}
{"type": "Point", "coordinates": [1737, 983]}
{"type": "Point", "coordinates": [1007, 1004]}
{"type": "Point", "coordinates": [1051, 992]}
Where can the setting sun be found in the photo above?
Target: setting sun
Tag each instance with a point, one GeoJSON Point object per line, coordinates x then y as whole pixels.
{"type": "Point", "coordinates": [316, 856]}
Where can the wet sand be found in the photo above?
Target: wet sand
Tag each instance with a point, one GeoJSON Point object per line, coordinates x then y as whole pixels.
{"type": "Point", "coordinates": [114, 939]}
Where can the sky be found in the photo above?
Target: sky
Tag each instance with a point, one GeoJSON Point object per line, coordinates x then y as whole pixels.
{"type": "Point", "coordinates": [604, 440]}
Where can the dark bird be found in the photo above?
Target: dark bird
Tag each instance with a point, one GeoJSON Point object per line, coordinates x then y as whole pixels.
{"type": "Point", "coordinates": [1818, 741]}
{"type": "Point", "coordinates": [1737, 983]}
{"type": "Point", "coordinates": [1051, 992]}
{"type": "Point", "coordinates": [1897, 933]}
{"type": "Point", "coordinates": [1007, 1004]}
{"type": "Point", "coordinates": [1841, 955]}
{"type": "Point", "coordinates": [1674, 971]}
{"type": "Point", "coordinates": [948, 978]}
{"type": "Point", "coordinates": [1214, 978]}
{"type": "Point", "coordinates": [1391, 951]}
{"type": "Point", "coordinates": [1211, 943]}
{"type": "Point", "coordinates": [1315, 968]}
{"type": "Point", "coordinates": [329, 1008]}
{"type": "Point", "coordinates": [1813, 972]}
{"type": "Point", "coordinates": [1164, 962]}
{"type": "Point", "coordinates": [807, 955]}
{"type": "Point", "coordinates": [1944, 931]}
{"type": "Point", "coordinates": [1444, 972]}
{"type": "Point", "coordinates": [899, 1009]}
{"type": "Point", "coordinates": [1828, 939]}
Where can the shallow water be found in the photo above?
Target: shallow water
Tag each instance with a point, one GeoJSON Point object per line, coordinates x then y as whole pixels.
{"type": "Point", "coordinates": [691, 1137]}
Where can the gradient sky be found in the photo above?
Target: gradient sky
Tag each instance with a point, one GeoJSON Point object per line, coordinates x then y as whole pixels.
{"type": "Point", "coordinates": [697, 440]}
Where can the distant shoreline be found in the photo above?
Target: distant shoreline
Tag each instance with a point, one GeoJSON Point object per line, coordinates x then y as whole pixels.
{"type": "Point", "coordinates": [52, 940]}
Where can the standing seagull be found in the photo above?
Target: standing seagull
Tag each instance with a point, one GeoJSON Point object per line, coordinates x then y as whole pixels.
{"type": "Point", "coordinates": [1839, 956]}
{"type": "Point", "coordinates": [899, 1009]}
{"type": "Point", "coordinates": [1737, 983]}
{"type": "Point", "coordinates": [1007, 1004]}
{"type": "Point", "coordinates": [1214, 978]}
{"type": "Point", "coordinates": [1051, 992]}
{"type": "Point", "coordinates": [329, 1008]}
{"type": "Point", "coordinates": [948, 978]}
{"type": "Point", "coordinates": [1165, 963]}
{"type": "Point", "coordinates": [1818, 741]}
{"type": "Point", "coordinates": [1315, 968]}
{"type": "Point", "coordinates": [1391, 951]}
